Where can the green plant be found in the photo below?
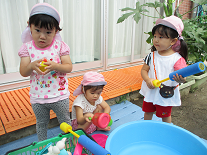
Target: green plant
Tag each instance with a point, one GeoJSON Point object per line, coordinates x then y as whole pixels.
{"type": "Point", "coordinates": [122, 98]}
{"type": "Point", "coordinates": [195, 35]}
{"type": "Point", "coordinates": [194, 32]}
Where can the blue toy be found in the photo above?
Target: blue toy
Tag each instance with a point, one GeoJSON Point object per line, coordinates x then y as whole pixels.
{"type": "Point", "coordinates": [86, 142]}
{"type": "Point", "coordinates": [187, 71]}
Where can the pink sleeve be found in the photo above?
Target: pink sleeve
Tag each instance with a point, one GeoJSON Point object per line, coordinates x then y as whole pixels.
{"type": "Point", "coordinates": [64, 50]}
{"type": "Point", "coordinates": [181, 63]}
{"type": "Point", "coordinates": [23, 52]}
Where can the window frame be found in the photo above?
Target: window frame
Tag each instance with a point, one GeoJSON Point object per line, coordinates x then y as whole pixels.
{"type": "Point", "coordinates": [11, 81]}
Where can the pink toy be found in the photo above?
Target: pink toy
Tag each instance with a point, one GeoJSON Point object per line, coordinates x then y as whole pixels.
{"type": "Point", "coordinates": [101, 120]}
{"type": "Point", "coordinates": [78, 149]}
{"type": "Point", "coordinates": [100, 139]}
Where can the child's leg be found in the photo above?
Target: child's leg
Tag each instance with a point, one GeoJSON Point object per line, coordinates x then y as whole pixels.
{"type": "Point", "coordinates": [85, 127]}
{"type": "Point", "coordinates": [164, 113]}
{"type": "Point", "coordinates": [61, 109]}
{"type": "Point", "coordinates": [98, 109]}
{"type": "Point", "coordinates": [167, 119]}
{"type": "Point", "coordinates": [42, 114]}
{"type": "Point", "coordinates": [148, 115]}
{"type": "Point", "coordinates": [149, 110]}
{"type": "Point", "coordinates": [88, 127]}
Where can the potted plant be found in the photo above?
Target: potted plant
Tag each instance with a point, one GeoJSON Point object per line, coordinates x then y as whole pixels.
{"type": "Point", "coordinates": [194, 33]}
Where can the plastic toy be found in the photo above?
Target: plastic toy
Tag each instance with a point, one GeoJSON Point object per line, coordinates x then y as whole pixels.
{"type": "Point", "coordinates": [42, 67]}
{"type": "Point", "coordinates": [78, 149]}
{"type": "Point", "coordinates": [58, 149]}
{"type": "Point", "coordinates": [100, 139]}
{"type": "Point", "coordinates": [44, 150]}
{"type": "Point", "coordinates": [149, 137]}
{"type": "Point", "coordinates": [86, 142]}
{"type": "Point", "coordinates": [187, 71]}
{"type": "Point", "coordinates": [110, 123]}
{"type": "Point", "coordinates": [101, 120]}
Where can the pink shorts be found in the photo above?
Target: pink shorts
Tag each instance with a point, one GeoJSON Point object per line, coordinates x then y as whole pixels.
{"type": "Point", "coordinates": [90, 130]}
{"type": "Point", "coordinates": [160, 110]}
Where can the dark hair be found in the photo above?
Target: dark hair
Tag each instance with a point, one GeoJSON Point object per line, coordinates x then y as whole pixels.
{"type": "Point", "coordinates": [94, 88]}
{"type": "Point", "coordinates": [170, 33]}
{"type": "Point", "coordinates": [46, 21]}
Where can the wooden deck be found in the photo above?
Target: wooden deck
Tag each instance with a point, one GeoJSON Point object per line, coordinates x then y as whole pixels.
{"type": "Point", "coordinates": [16, 111]}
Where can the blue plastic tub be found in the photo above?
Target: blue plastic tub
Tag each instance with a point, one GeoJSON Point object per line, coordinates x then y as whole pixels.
{"type": "Point", "coordinates": [154, 138]}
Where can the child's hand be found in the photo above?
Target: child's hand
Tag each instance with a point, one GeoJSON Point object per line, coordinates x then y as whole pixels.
{"type": "Point", "coordinates": [179, 78]}
{"type": "Point", "coordinates": [87, 117]}
{"type": "Point", "coordinates": [51, 65]}
{"type": "Point", "coordinates": [150, 84]}
{"type": "Point", "coordinates": [35, 66]}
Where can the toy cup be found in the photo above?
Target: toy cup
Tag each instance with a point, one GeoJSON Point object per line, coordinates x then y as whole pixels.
{"type": "Point", "coordinates": [101, 120]}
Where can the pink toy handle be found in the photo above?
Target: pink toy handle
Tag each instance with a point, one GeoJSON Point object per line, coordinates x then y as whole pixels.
{"type": "Point", "coordinates": [78, 149]}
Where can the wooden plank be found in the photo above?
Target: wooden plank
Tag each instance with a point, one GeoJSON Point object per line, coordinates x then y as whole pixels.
{"type": "Point", "coordinates": [6, 111]}
{"type": "Point", "coordinates": [24, 101]}
{"type": "Point", "coordinates": [20, 104]}
{"type": "Point", "coordinates": [2, 131]}
{"type": "Point", "coordinates": [15, 104]}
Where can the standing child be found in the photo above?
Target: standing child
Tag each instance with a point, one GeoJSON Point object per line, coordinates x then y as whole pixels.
{"type": "Point", "coordinates": [89, 102]}
{"type": "Point", "coordinates": [169, 53]}
{"type": "Point", "coordinates": [49, 87]}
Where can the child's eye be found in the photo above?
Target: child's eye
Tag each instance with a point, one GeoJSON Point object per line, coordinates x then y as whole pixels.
{"type": "Point", "coordinates": [48, 32]}
{"type": "Point", "coordinates": [161, 36]}
{"type": "Point", "coordinates": [37, 30]}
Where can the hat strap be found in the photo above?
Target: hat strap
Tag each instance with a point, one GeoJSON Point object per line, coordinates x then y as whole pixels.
{"type": "Point", "coordinates": [83, 89]}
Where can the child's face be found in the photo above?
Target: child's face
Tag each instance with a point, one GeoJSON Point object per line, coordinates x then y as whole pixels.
{"type": "Point", "coordinates": [92, 96]}
{"type": "Point", "coordinates": [41, 36]}
{"type": "Point", "coordinates": [161, 43]}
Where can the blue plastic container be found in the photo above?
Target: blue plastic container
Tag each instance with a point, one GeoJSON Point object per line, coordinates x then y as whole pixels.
{"type": "Point", "coordinates": [154, 138]}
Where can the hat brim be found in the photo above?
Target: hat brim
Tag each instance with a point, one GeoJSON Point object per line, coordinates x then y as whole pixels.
{"type": "Point", "coordinates": [165, 23]}
{"type": "Point", "coordinates": [78, 90]}
{"type": "Point", "coordinates": [97, 83]}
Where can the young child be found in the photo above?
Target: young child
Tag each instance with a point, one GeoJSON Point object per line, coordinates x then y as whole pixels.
{"type": "Point", "coordinates": [49, 88]}
{"type": "Point", "coordinates": [89, 102]}
{"type": "Point", "coordinates": [169, 53]}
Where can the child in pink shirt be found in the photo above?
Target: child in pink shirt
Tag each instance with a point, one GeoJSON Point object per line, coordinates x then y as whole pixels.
{"type": "Point", "coordinates": [48, 86]}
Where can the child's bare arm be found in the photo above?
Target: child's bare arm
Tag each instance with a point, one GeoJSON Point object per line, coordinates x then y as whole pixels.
{"type": "Point", "coordinates": [26, 66]}
{"type": "Point", "coordinates": [105, 107]}
{"type": "Point", "coordinates": [82, 119]}
{"type": "Point", "coordinates": [144, 74]}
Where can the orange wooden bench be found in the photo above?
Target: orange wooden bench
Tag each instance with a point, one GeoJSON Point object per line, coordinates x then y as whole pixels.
{"type": "Point", "coordinates": [16, 111]}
